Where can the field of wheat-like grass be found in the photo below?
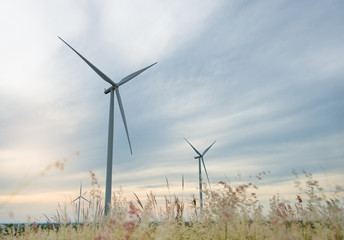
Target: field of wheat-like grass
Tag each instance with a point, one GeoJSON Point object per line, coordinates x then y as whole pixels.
{"type": "Point", "coordinates": [229, 213]}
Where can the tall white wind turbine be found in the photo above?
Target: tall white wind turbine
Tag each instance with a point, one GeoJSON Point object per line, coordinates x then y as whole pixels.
{"type": "Point", "coordinates": [80, 197]}
{"type": "Point", "coordinates": [114, 87]}
{"type": "Point", "coordinates": [200, 158]}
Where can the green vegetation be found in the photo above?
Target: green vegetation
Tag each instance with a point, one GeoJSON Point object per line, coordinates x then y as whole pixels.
{"type": "Point", "coordinates": [229, 213]}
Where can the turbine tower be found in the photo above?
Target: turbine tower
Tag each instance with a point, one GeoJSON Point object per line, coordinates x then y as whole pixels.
{"type": "Point", "coordinates": [114, 88]}
{"type": "Point", "coordinates": [200, 158]}
{"type": "Point", "coordinates": [80, 196]}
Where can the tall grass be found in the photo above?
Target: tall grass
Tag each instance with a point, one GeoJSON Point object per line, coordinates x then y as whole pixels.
{"type": "Point", "coordinates": [229, 213]}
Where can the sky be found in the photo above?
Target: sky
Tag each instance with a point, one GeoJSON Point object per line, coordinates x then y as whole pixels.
{"type": "Point", "coordinates": [262, 78]}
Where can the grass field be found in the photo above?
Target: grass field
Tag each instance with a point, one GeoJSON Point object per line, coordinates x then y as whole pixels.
{"type": "Point", "coordinates": [229, 213]}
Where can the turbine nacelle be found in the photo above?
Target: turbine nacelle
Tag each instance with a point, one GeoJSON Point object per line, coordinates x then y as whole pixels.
{"type": "Point", "coordinates": [106, 91]}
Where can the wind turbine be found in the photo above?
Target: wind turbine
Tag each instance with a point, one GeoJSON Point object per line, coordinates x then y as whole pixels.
{"type": "Point", "coordinates": [111, 90]}
{"type": "Point", "coordinates": [80, 196]}
{"type": "Point", "coordinates": [200, 158]}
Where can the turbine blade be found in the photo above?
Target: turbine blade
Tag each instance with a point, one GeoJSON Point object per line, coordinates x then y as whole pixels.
{"type": "Point", "coordinates": [100, 73]}
{"type": "Point", "coordinates": [123, 117]}
{"type": "Point", "coordinates": [205, 151]}
{"type": "Point", "coordinates": [193, 148]}
{"type": "Point", "coordinates": [85, 199]}
{"type": "Point", "coordinates": [131, 76]}
{"type": "Point", "coordinates": [206, 173]}
{"type": "Point", "coordinates": [76, 199]}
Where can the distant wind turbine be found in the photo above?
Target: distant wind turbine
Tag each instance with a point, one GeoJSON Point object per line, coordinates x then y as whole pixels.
{"type": "Point", "coordinates": [80, 196]}
{"type": "Point", "coordinates": [111, 90]}
{"type": "Point", "coordinates": [200, 158]}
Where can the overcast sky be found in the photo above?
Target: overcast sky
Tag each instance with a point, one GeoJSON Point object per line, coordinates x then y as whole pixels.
{"type": "Point", "coordinates": [262, 78]}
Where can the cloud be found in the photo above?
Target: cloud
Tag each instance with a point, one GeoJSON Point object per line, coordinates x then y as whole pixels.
{"type": "Point", "coordinates": [152, 30]}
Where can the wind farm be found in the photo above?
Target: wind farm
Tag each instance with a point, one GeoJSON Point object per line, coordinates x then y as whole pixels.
{"type": "Point", "coordinates": [263, 79]}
